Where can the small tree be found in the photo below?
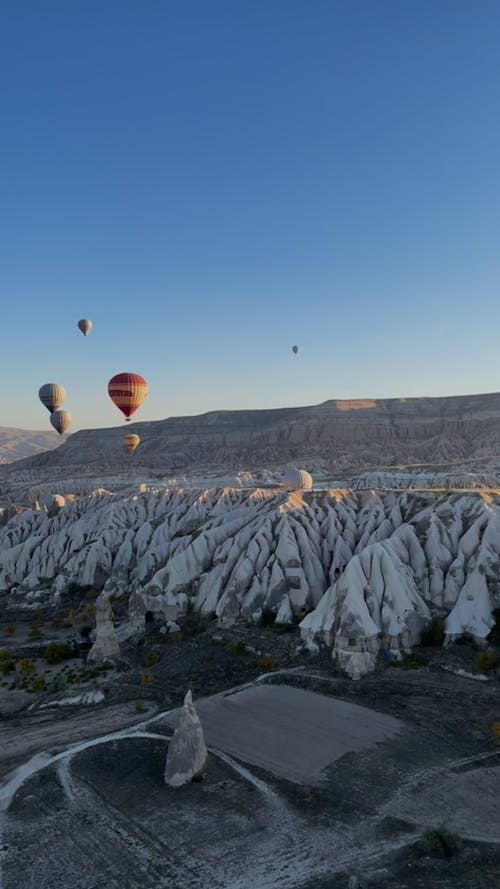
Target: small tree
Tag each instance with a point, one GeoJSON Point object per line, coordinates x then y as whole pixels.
{"type": "Point", "coordinates": [57, 652]}
{"type": "Point", "coordinates": [27, 666]}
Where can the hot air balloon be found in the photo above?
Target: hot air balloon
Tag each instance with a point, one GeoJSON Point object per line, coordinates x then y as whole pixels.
{"type": "Point", "coordinates": [131, 441]}
{"type": "Point", "coordinates": [52, 396]}
{"type": "Point", "coordinates": [295, 349]}
{"type": "Point", "coordinates": [127, 391]}
{"type": "Point", "coordinates": [61, 421]}
{"type": "Point", "coordinates": [85, 326]}
{"type": "Point", "coordinates": [296, 480]}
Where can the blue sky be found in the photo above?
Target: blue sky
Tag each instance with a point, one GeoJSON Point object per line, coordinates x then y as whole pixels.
{"type": "Point", "coordinates": [212, 181]}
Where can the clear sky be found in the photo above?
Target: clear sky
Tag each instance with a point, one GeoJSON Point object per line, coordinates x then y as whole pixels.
{"type": "Point", "coordinates": [212, 181]}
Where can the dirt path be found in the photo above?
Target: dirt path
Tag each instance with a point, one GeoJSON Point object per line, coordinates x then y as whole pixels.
{"type": "Point", "coordinates": [50, 730]}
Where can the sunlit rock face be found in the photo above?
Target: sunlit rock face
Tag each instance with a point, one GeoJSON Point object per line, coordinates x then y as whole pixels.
{"type": "Point", "coordinates": [336, 436]}
{"type": "Point", "coordinates": [360, 570]}
{"type": "Point", "coordinates": [187, 753]}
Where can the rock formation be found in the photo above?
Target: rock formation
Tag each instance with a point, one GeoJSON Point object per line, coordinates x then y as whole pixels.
{"type": "Point", "coordinates": [105, 647]}
{"type": "Point", "coordinates": [361, 570]}
{"type": "Point", "coordinates": [187, 753]}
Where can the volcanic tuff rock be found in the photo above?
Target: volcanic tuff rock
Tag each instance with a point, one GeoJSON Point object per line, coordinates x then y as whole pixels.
{"type": "Point", "coordinates": [335, 436]}
{"type": "Point", "coordinates": [367, 568]}
{"type": "Point", "coordinates": [187, 753]}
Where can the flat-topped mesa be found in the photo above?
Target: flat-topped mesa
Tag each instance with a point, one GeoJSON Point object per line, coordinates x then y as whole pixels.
{"type": "Point", "coordinates": [187, 753]}
{"type": "Point", "coordinates": [335, 436]}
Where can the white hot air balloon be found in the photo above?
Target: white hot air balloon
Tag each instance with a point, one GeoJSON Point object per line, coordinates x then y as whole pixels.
{"type": "Point", "coordinates": [61, 421]}
{"type": "Point", "coordinates": [85, 325]}
{"type": "Point", "coordinates": [296, 480]}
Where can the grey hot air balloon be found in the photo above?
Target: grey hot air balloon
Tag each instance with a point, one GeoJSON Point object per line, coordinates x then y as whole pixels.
{"type": "Point", "coordinates": [85, 326]}
{"type": "Point", "coordinates": [61, 421]}
{"type": "Point", "coordinates": [52, 396]}
{"type": "Point", "coordinates": [295, 349]}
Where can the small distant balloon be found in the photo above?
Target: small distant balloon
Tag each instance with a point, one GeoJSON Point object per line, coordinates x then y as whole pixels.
{"type": "Point", "coordinates": [127, 391]}
{"type": "Point", "coordinates": [52, 396]}
{"type": "Point", "coordinates": [131, 441]}
{"type": "Point", "coordinates": [85, 326]}
{"type": "Point", "coordinates": [295, 349]}
{"type": "Point", "coordinates": [61, 421]}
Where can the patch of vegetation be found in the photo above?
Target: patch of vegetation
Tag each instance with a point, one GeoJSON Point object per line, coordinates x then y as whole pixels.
{"type": "Point", "coordinates": [86, 616]}
{"type": "Point", "coordinates": [410, 662]}
{"type": "Point", "coordinates": [265, 663]}
{"type": "Point", "coordinates": [35, 634]}
{"type": "Point", "coordinates": [236, 648]}
{"type": "Point", "coordinates": [27, 666]}
{"type": "Point", "coordinates": [150, 659]}
{"type": "Point", "coordinates": [139, 707]}
{"type": "Point", "coordinates": [146, 679]}
{"type": "Point", "coordinates": [10, 630]}
{"type": "Point", "coordinates": [433, 634]}
{"type": "Point", "coordinates": [56, 652]}
{"type": "Point", "coordinates": [175, 637]}
{"type": "Point", "coordinates": [437, 843]}
{"type": "Point", "coordinates": [486, 660]}
{"type": "Point", "coordinates": [7, 663]}
{"type": "Point", "coordinates": [38, 684]}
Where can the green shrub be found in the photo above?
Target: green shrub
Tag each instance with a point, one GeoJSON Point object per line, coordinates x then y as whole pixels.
{"type": "Point", "coordinates": [438, 843]}
{"type": "Point", "coordinates": [486, 660]}
{"type": "Point", "coordinates": [265, 663]}
{"type": "Point", "coordinates": [38, 684]}
{"type": "Point", "coordinates": [146, 679]}
{"type": "Point", "coordinates": [10, 630]}
{"type": "Point", "coordinates": [140, 707]}
{"type": "Point", "coordinates": [176, 636]}
{"type": "Point", "coordinates": [150, 659]}
{"type": "Point", "coordinates": [27, 666]}
{"type": "Point", "coordinates": [236, 648]}
{"type": "Point", "coordinates": [35, 634]}
{"type": "Point", "coordinates": [7, 663]}
{"type": "Point", "coordinates": [57, 652]}
{"type": "Point", "coordinates": [433, 634]}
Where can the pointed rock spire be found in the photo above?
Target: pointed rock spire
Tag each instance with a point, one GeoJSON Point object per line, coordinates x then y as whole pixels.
{"type": "Point", "coordinates": [187, 753]}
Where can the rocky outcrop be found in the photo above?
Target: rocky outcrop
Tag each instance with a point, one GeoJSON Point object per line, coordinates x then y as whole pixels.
{"type": "Point", "coordinates": [105, 647]}
{"type": "Point", "coordinates": [187, 753]}
{"type": "Point", "coordinates": [361, 570]}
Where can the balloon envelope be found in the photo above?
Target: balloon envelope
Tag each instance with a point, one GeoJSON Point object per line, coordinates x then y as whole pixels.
{"type": "Point", "coordinates": [295, 349]}
{"type": "Point", "coordinates": [52, 395]}
{"type": "Point", "coordinates": [296, 480]}
{"type": "Point", "coordinates": [127, 391]}
{"type": "Point", "coordinates": [85, 326]}
{"type": "Point", "coordinates": [61, 421]}
{"type": "Point", "coordinates": [131, 441]}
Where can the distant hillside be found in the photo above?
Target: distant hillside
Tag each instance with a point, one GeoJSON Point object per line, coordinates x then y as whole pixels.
{"type": "Point", "coordinates": [18, 443]}
{"type": "Point", "coordinates": [335, 437]}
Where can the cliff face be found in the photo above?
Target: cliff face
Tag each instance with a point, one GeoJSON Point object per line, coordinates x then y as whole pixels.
{"type": "Point", "coordinates": [336, 436]}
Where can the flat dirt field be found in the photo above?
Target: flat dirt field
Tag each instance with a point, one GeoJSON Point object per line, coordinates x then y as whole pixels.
{"type": "Point", "coordinates": [288, 731]}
